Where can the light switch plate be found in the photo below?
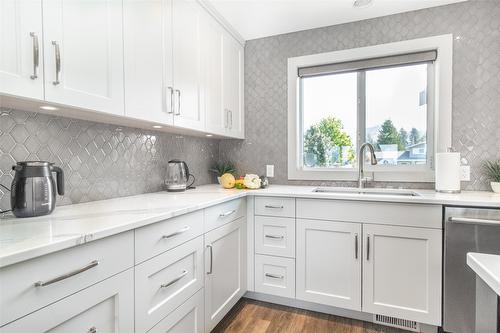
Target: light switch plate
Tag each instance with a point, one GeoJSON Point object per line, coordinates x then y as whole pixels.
{"type": "Point", "coordinates": [269, 170]}
{"type": "Point", "coordinates": [465, 173]}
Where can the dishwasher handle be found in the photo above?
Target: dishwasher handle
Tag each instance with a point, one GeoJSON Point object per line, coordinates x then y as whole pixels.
{"type": "Point", "coordinates": [467, 220]}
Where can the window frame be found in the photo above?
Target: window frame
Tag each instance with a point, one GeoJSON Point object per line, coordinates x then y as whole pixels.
{"type": "Point", "coordinates": [438, 113]}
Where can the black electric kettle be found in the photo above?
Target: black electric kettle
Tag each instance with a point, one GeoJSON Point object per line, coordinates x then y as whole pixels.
{"type": "Point", "coordinates": [33, 190]}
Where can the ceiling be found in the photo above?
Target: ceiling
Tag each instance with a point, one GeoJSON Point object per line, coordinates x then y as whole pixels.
{"type": "Point", "coordinates": [261, 18]}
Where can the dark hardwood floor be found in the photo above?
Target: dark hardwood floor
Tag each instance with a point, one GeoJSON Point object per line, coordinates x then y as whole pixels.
{"type": "Point", "coordinates": [249, 316]}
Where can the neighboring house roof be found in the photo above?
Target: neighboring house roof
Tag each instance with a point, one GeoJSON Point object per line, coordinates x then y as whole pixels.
{"type": "Point", "coordinates": [405, 155]}
{"type": "Point", "coordinates": [421, 144]}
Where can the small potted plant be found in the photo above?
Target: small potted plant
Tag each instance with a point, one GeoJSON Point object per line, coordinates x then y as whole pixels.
{"type": "Point", "coordinates": [492, 171]}
{"type": "Point", "coordinates": [221, 168]}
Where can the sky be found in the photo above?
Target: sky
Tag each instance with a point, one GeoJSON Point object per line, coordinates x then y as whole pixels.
{"type": "Point", "coordinates": [391, 93]}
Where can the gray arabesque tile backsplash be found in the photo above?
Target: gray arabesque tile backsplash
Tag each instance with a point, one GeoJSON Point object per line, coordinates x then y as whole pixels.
{"type": "Point", "coordinates": [476, 82]}
{"type": "Point", "coordinates": [100, 161]}
{"type": "Point", "coordinates": [104, 161]}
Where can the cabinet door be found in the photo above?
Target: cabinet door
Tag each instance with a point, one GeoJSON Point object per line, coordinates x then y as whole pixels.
{"type": "Point", "coordinates": [147, 34]}
{"type": "Point", "coordinates": [187, 318]}
{"type": "Point", "coordinates": [107, 306]}
{"type": "Point", "coordinates": [232, 56]}
{"type": "Point", "coordinates": [83, 54]}
{"type": "Point", "coordinates": [186, 64]}
{"type": "Point", "coordinates": [402, 272]}
{"type": "Point", "coordinates": [225, 279]}
{"type": "Point", "coordinates": [164, 282]}
{"type": "Point", "coordinates": [21, 66]}
{"type": "Point", "coordinates": [329, 263]}
{"type": "Point", "coordinates": [211, 62]}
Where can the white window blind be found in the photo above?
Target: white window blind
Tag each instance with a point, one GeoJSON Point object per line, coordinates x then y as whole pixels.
{"type": "Point", "coordinates": [363, 64]}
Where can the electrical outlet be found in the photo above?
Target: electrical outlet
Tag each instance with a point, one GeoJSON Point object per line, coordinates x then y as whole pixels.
{"type": "Point", "coordinates": [269, 170]}
{"type": "Point", "coordinates": [465, 173]}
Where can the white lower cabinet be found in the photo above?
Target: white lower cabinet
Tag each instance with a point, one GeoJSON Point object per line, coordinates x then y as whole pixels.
{"type": "Point", "coordinates": [36, 283]}
{"type": "Point", "coordinates": [225, 264]}
{"type": "Point", "coordinates": [107, 306]}
{"type": "Point", "coordinates": [187, 318]}
{"type": "Point", "coordinates": [166, 281]}
{"type": "Point", "coordinates": [275, 275]}
{"type": "Point", "coordinates": [402, 272]}
{"type": "Point", "coordinates": [329, 263]}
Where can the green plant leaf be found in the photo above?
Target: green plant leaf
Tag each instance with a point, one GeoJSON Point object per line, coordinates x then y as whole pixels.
{"type": "Point", "coordinates": [492, 170]}
{"type": "Point", "coordinates": [223, 167]}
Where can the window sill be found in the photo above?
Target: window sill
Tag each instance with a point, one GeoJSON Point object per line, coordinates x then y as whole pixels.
{"type": "Point", "coordinates": [352, 175]}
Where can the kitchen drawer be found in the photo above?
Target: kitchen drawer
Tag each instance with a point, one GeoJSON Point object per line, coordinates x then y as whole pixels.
{"type": "Point", "coordinates": [166, 281]}
{"type": "Point", "coordinates": [157, 238]}
{"type": "Point", "coordinates": [404, 214]}
{"type": "Point", "coordinates": [223, 213]}
{"type": "Point", "coordinates": [275, 206]}
{"type": "Point", "coordinates": [86, 264]}
{"type": "Point", "coordinates": [275, 276]}
{"type": "Point", "coordinates": [275, 236]}
{"type": "Point", "coordinates": [107, 306]}
{"type": "Point", "coordinates": [187, 318]}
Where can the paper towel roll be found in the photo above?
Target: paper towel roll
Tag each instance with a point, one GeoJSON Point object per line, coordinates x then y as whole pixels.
{"type": "Point", "coordinates": [448, 172]}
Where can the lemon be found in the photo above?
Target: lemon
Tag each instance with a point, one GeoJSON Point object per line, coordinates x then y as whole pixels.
{"type": "Point", "coordinates": [227, 180]}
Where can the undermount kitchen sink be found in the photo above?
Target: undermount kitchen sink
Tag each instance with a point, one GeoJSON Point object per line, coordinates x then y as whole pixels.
{"type": "Point", "coordinates": [368, 191]}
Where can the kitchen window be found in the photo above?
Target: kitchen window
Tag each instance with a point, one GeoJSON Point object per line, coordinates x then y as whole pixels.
{"type": "Point", "coordinates": [384, 95]}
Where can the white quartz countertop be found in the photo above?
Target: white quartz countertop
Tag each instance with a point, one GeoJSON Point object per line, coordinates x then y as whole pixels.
{"type": "Point", "coordinates": [487, 267]}
{"type": "Point", "coordinates": [466, 198]}
{"type": "Point", "coordinates": [71, 225]}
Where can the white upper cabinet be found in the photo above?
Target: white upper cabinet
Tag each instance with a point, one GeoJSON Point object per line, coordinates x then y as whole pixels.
{"type": "Point", "coordinates": [232, 60]}
{"type": "Point", "coordinates": [329, 263]}
{"type": "Point", "coordinates": [402, 272]}
{"type": "Point", "coordinates": [211, 48]}
{"type": "Point", "coordinates": [148, 60]}
{"type": "Point", "coordinates": [165, 62]}
{"type": "Point", "coordinates": [83, 54]}
{"type": "Point", "coordinates": [21, 66]}
{"type": "Point", "coordinates": [222, 84]}
{"type": "Point", "coordinates": [186, 65]}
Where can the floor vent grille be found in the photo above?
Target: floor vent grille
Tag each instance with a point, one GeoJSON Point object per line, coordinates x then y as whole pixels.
{"type": "Point", "coordinates": [396, 322]}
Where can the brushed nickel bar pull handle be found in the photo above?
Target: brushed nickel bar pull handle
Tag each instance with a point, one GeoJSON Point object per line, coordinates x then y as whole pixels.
{"type": "Point", "coordinates": [273, 276]}
{"type": "Point", "coordinates": [473, 221]}
{"type": "Point", "coordinates": [178, 102]}
{"type": "Point", "coordinates": [230, 119]}
{"type": "Point", "coordinates": [168, 284]}
{"type": "Point", "coordinates": [92, 330]}
{"type": "Point", "coordinates": [171, 110]}
{"type": "Point", "coordinates": [178, 232]}
{"type": "Point", "coordinates": [367, 247]}
{"type": "Point", "coordinates": [92, 264]}
{"type": "Point", "coordinates": [274, 236]}
{"type": "Point", "coordinates": [228, 213]}
{"type": "Point", "coordinates": [36, 55]}
{"type": "Point", "coordinates": [57, 51]}
{"type": "Point", "coordinates": [226, 124]}
{"type": "Point", "coordinates": [211, 259]}
{"type": "Point", "coordinates": [356, 246]}
{"type": "Point", "coordinates": [273, 207]}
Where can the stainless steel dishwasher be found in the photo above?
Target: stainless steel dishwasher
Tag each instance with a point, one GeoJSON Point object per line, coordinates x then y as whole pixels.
{"type": "Point", "coordinates": [465, 230]}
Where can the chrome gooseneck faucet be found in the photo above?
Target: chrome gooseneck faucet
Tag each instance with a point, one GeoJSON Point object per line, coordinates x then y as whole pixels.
{"type": "Point", "coordinates": [361, 162]}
